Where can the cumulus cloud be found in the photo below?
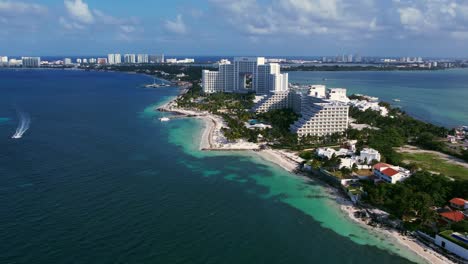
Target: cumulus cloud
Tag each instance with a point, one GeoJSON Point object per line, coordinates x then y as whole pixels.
{"type": "Point", "coordinates": [18, 7]}
{"type": "Point", "coordinates": [176, 26]}
{"type": "Point", "coordinates": [79, 11]}
{"type": "Point", "coordinates": [344, 19]}
{"type": "Point", "coordinates": [300, 17]}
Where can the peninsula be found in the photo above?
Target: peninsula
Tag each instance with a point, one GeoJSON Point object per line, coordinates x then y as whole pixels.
{"type": "Point", "coordinates": [355, 144]}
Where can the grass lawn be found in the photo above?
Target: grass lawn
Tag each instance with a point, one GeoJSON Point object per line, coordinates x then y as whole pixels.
{"type": "Point", "coordinates": [432, 162]}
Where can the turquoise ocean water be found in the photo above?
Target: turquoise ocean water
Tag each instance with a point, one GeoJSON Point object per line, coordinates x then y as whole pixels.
{"type": "Point", "coordinates": [98, 179]}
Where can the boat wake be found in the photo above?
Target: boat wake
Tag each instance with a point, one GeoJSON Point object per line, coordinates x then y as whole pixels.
{"type": "Point", "coordinates": [23, 126]}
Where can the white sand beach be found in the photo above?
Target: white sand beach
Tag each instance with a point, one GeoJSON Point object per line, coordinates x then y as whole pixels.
{"type": "Point", "coordinates": [425, 252]}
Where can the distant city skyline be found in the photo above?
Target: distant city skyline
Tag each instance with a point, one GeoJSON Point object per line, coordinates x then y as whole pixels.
{"type": "Point", "coordinates": [235, 28]}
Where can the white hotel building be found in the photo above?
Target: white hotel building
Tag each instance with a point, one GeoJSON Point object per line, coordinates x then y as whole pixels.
{"type": "Point", "coordinates": [114, 58]}
{"type": "Point", "coordinates": [244, 75]}
{"type": "Point", "coordinates": [319, 116]}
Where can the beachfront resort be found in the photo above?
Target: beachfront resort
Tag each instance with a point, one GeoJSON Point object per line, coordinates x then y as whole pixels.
{"type": "Point", "coordinates": [322, 112]}
{"type": "Point", "coordinates": [333, 134]}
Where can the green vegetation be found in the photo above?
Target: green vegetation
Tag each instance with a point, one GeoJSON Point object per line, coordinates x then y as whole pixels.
{"type": "Point", "coordinates": [166, 71]}
{"type": "Point", "coordinates": [413, 198]}
{"type": "Point", "coordinates": [460, 227]}
{"type": "Point", "coordinates": [447, 235]}
{"type": "Point", "coordinates": [395, 130]}
{"type": "Point", "coordinates": [432, 162]}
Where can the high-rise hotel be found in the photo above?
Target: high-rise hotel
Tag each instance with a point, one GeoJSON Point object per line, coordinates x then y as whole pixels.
{"type": "Point", "coordinates": [322, 113]}
{"type": "Point", "coordinates": [244, 75]}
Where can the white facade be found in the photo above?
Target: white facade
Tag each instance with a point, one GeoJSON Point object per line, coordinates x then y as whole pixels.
{"type": "Point", "coordinates": [219, 81]}
{"type": "Point", "coordinates": [114, 58]}
{"type": "Point", "coordinates": [269, 79]}
{"type": "Point", "coordinates": [320, 117]}
{"type": "Point", "coordinates": [369, 155]}
{"type": "Point", "coordinates": [142, 58]}
{"type": "Point", "coordinates": [250, 74]}
{"type": "Point", "coordinates": [274, 100]}
{"type": "Point", "coordinates": [211, 82]}
{"type": "Point", "coordinates": [244, 68]}
{"type": "Point", "coordinates": [325, 152]}
{"type": "Point", "coordinates": [31, 62]}
{"type": "Point", "coordinates": [3, 59]}
{"type": "Point", "coordinates": [319, 91]}
{"type": "Point", "coordinates": [452, 247]}
{"type": "Point", "coordinates": [338, 94]}
{"type": "Point", "coordinates": [390, 174]}
{"type": "Point", "coordinates": [67, 61]}
{"type": "Point", "coordinates": [130, 58]}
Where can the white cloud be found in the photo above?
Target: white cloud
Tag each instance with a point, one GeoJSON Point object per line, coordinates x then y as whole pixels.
{"type": "Point", "coordinates": [176, 26]}
{"type": "Point", "coordinates": [79, 11]}
{"type": "Point", "coordinates": [18, 7]}
{"type": "Point", "coordinates": [412, 18]}
{"type": "Point", "coordinates": [70, 24]}
{"type": "Point", "coordinates": [300, 17]}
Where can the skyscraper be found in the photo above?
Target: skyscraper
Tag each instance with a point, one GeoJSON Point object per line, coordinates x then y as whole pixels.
{"type": "Point", "coordinates": [31, 62]}
{"type": "Point", "coordinates": [129, 58]}
{"type": "Point", "coordinates": [114, 58]}
{"type": "Point", "coordinates": [246, 74]}
{"type": "Point", "coordinates": [142, 58]}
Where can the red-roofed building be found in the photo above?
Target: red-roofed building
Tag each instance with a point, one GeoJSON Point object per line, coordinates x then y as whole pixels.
{"type": "Point", "coordinates": [453, 216]}
{"type": "Point", "coordinates": [459, 203]}
{"type": "Point", "coordinates": [382, 165]}
{"type": "Point", "coordinates": [389, 173]}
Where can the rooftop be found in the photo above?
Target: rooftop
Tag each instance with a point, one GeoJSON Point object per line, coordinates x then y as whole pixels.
{"type": "Point", "coordinates": [390, 172]}
{"type": "Point", "coordinates": [454, 216]}
{"type": "Point", "coordinates": [458, 201]}
{"type": "Point", "coordinates": [381, 165]}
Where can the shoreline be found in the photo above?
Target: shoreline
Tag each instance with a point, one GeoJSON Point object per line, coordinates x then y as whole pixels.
{"type": "Point", "coordinates": [212, 140]}
{"type": "Point", "coordinates": [413, 244]}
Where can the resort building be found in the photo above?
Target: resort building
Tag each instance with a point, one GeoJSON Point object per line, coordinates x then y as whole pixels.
{"type": "Point", "coordinates": [31, 62]}
{"type": "Point", "coordinates": [453, 242]}
{"type": "Point", "coordinates": [389, 173]}
{"type": "Point", "coordinates": [274, 100]}
{"type": "Point", "coordinates": [114, 58]}
{"type": "Point", "coordinates": [142, 58]}
{"type": "Point", "coordinates": [325, 152]}
{"type": "Point", "coordinates": [367, 155]}
{"type": "Point", "coordinates": [129, 58]}
{"type": "Point", "coordinates": [246, 74]}
{"type": "Point", "coordinates": [319, 91]}
{"type": "Point", "coordinates": [338, 94]}
{"type": "Point", "coordinates": [320, 117]}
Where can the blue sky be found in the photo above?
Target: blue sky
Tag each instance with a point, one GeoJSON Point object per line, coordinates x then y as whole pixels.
{"type": "Point", "coordinates": [235, 27]}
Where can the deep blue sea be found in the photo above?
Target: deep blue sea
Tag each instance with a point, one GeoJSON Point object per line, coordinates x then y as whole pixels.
{"type": "Point", "coordinates": [98, 179]}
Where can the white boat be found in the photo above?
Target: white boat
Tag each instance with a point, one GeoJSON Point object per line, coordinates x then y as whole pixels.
{"type": "Point", "coordinates": [396, 100]}
{"type": "Point", "coordinates": [164, 119]}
